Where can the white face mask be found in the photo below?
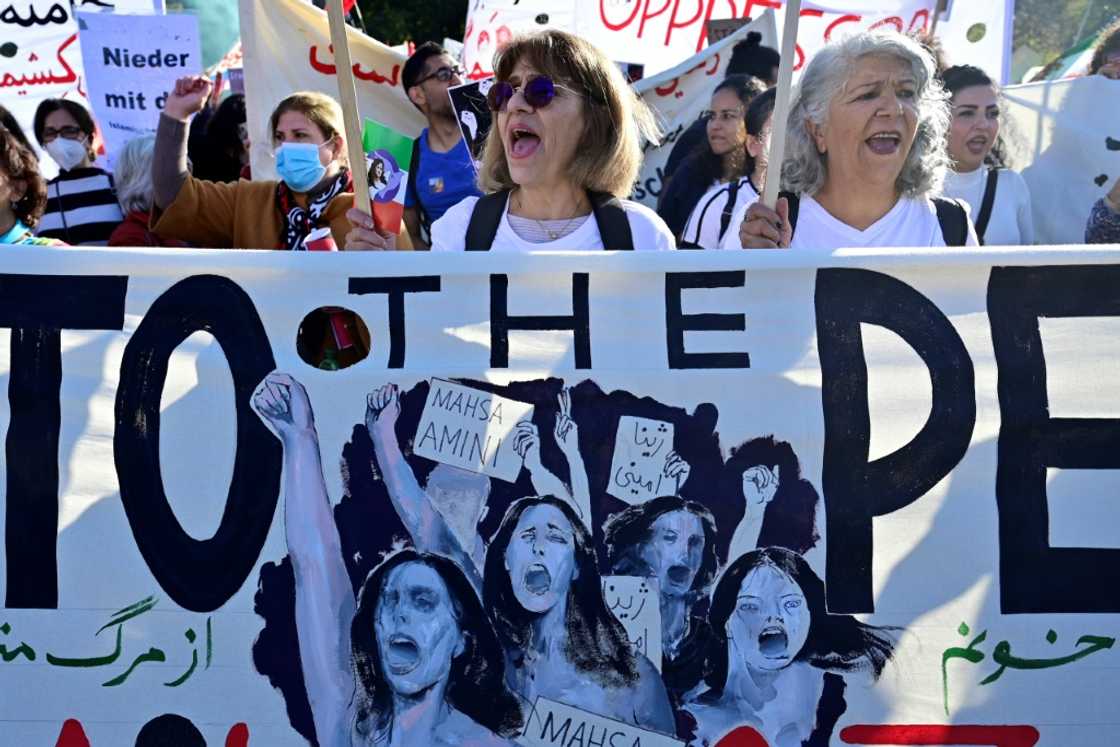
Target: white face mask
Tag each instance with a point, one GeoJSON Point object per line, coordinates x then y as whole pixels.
{"type": "Point", "coordinates": [67, 153]}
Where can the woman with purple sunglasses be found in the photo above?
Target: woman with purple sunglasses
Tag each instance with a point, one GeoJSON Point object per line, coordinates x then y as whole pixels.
{"type": "Point", "coordinates": [562, 154]}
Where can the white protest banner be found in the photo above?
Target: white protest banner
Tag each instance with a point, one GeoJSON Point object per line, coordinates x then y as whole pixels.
{"type": "Point", "coordinates": [980, 34]}
{"type": "Point", "coordinates": [131, 63]}
{"type": "Point", "coordinates": [634, 602]}
{"type": "Point", "coordinates": [554, 724]}
{"type": "Point", "coordinates": [470, 428]}
{"type": "Point", "coordinates": [39, 59]}
{"type": "Point", "coordinates": [662, 33]}
{"type": "Point", "coordinates": [287, 48]}
{"type": "Point", "coordinates": [1061, 141]}
{"type": "Point", "coordinates": [641, 447]}
{"type": "Point", "coordinates": [679, 95]}
{"type": "Point", "coordinates": [942, 425]}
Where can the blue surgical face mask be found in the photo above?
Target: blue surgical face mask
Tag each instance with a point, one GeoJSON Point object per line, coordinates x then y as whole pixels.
{"type": "Point", "coordinates": [299, 166]}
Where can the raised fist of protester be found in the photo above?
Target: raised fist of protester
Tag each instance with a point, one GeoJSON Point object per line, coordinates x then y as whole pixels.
{"type": "Point", "coordinates": [764, 228]}
{"type": "Point", "coordinates": [760, 485]}
{"type": "Point", "coordinates": [188, 97]}
{"type": "Point", "coordinates": [527, 444]}
{"type": "Point", "coordinates": [365, 236]}
{"type": "Point", "coordinates": [281, 403]}
{"type": "Point", "coordinates": [676, 469]}
{"type": "Point", "coordinates": [383, 407]}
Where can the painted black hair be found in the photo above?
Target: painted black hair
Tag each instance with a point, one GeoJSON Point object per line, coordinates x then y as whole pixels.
{"type": "Point", "coordinates": [629, 529]}
{"type": "Point", "coordinates": [596, 643]}
{"type": "Point", "coordinates": [790, 519]}
{"type": "Point", "coordinates": [750, 57]}
{"type": "Point", "coordinates": [835, 642]}
{"type": "Point", "coordinates": [170, 730]}
{"type": "Point", "coordinates": [476, 686]}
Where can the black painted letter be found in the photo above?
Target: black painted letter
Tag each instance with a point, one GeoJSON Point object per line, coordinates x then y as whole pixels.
{"type": "Point", "coordinates": [199, 575]}
{"type": "Point", "coordinates": [856, 491]}
{"type": "Point", "coordinates": [1035, 577]}
{"type": "Point", "coordinates": [395, 288]}
{"type": "Point", "coordinates": [501, 322]}
{"type": "Point", "coordinates": [677, 322]}
{"type": "Point", "coordinates": [36, 308]}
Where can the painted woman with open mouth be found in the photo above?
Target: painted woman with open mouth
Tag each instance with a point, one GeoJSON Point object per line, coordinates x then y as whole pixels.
{"type": "Point", "coordinates": [543, 593]}
{"type": "Point", "coordinates": [415, 661]}
{"type": "Point", "coordinates": [774, 645]}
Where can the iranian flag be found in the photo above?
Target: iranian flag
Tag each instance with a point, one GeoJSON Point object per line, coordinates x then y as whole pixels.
{"type": "Point", "coordinates": [388, 160]}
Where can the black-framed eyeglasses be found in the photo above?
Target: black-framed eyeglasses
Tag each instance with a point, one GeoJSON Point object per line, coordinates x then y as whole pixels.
{"type": "Point", "coordinates": [70, 132]}
{"type": "Point", "coordinates": [443, 74]}
{"type": "Point", "coordinates": [539, 91]}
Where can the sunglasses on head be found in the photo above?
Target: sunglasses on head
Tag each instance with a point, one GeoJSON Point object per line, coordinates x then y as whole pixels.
{"type": "Point", "coordinates": [539, 91]}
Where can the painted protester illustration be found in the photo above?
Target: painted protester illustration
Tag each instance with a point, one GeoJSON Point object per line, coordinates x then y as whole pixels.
{"type": "Point", "coordinates": [458, 592]}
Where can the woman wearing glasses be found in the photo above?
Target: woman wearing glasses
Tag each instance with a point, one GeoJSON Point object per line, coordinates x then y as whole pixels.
{"type": "Point", "coordinates": [82, 203]}
{"type": "Point", "coordinates": [564, 150]}
{"type": "Point", "coordinates": [314, 191]}
{"type": "Point", "coordinates": [716, 178]}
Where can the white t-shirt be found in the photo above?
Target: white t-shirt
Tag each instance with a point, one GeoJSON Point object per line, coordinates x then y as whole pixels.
{"type": "Point", "coordinates": [449, 233]}
{"type": "Point", "coordinates": [912, 222]}
{"type": "Point", "coordinates": [702, 228]}
{"type": "Point", "coordinates": [1011, 222]}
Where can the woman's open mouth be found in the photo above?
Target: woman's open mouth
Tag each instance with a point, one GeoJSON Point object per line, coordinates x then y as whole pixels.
{"type": "Point", "coordinates": [403, 655]}
{"type": "Point", "coordinates": [679, 574]}
{"type": "Point", "coordinates": [523, 142]}
{"type": "Point", "coordinates": [537, 579]}
{"type": "Point", "coordinates": [884, 143]}
{"type": "Point", "coordinates": [977, 145]}
{"type": "Point", "coordinates": [773, 643]}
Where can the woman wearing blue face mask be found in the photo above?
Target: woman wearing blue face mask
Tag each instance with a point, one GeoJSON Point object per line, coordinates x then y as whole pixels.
{"type": "Point", "coordinates": [314, 193]}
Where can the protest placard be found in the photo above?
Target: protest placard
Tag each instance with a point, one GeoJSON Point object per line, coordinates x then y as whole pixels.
{"type": "Point", "coordinates": [637, 467]}
{"type": "Point", "coordinates": [388, 157]}
{"type": "Point", "coordinates": [472, 112]}
{"type": "Point", "coordinates": [635, 602]}
{"type": "Point", "coordinates": [470, 428]}
{"type": "Point", "coordinates": [131, 63]}
{"type": "Point", "coordinates": [553, 724]}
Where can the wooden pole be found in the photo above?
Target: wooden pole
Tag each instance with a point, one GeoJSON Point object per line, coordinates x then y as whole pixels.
{"type": "Point", "coordinates": [781, 104]}
{"type": "Point", "coordinates": [937, 11]}
{"type": "Point", "coordinates": [348, 96]}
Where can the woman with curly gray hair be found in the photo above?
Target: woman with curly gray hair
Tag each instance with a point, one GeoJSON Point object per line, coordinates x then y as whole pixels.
{"type": "Point", "coordinates": [865, 154]}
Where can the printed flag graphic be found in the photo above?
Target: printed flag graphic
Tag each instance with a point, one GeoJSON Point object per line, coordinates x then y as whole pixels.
{"type": "Point", "coordinates": [388, 160]}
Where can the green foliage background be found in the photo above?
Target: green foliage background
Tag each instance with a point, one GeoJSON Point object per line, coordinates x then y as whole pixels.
{"type": "Point", "coordinates": [393, 21]}
{"type": "Point", "coordinates": [1053, 26]}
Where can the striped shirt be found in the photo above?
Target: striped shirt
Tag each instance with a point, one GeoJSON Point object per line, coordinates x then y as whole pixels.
{"type": "Point", "coordinates": [82, 207]}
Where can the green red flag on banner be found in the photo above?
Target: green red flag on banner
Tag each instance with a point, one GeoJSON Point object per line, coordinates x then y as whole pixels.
{"type": "Point", "coordinates": [388, 161]}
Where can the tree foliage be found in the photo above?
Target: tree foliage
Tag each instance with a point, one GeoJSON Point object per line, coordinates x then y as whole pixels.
{"type": "Point", "coordinates": [394, 22]}
{"type": "Point", "coordinates": [1053, 26]}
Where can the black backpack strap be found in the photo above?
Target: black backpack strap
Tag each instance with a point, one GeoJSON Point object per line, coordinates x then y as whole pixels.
{"type": "Point", "coordinates": [485, 218]}
{"type": "Point", "coordinates": [614, 226]}
{"type": "Point", "coordinates": [728, 208]}
{"type": "Point", "coordinates": [414, 167]}
{"type": "Point", "coordinates": [953, 217]}
{"type": "Point", "coordinates": [986, 204]}
{"type": "Point", "coordinates": [794, 207]}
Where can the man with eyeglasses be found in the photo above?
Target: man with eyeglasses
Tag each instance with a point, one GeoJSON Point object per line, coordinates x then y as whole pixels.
{"type": "Point", "coordinates": [442, 173]}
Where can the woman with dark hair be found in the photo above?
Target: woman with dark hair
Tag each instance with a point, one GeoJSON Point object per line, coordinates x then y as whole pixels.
{"type": "Point", "coordinates": [698, 202]}
{"type": "Point", "coordinates": [82, 205]}
{"type": "Point", "coordinates": [23, 193]}
{"type": "Point", "coordinates": [674, 541]}
{"type": "Point", "coordinates": [773, 643]}
{"type": "Point", "coordinates": [420, 638]}
{"type": "Point", "coordinates": [780, 506]}
{"type": "Point", "coordinates": [998, 199]}
{"type": "Point", "coordinates": [426, 666]}
{"type": "Point", "coordinates": [8, 120]}
{"type": "Point", "coordinates": [542, 590]}
{"type": "Point", "coordinates": [1106, 52]}
{"type": "Point", "coordinates": [223, 155]}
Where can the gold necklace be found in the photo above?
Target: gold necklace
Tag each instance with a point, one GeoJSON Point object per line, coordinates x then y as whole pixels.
{"type": "Point", "coordinates": [552, 235]}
